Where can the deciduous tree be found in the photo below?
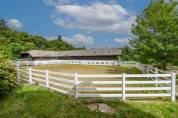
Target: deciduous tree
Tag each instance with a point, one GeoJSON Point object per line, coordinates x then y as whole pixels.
{"type": "Point", "coordinates": [156, 33]}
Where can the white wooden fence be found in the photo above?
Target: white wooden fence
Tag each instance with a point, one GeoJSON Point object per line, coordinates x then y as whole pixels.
{"type": "Point", "coordinates": [103, 85]}
{"type": "Point", "coordinates": [142, 67]}
{"type": "Point", "coordinates": [81, 62]}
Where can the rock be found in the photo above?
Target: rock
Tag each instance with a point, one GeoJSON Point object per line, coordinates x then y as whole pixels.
{"type": "Point", "coordinates": [101, 107]}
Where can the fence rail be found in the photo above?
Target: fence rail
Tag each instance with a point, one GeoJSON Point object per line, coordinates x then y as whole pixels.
{"type": "Point", "coordinates": [82, 62]}
{"type": "Point", "coordinates": [142, 67]}
{"type": "Point", "coordinates": [92, 85]}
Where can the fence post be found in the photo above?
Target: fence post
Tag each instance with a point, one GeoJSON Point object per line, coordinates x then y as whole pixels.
{"type": "Point", "coordinates": [47, 78]}
{"type": "Point", "coordinates": [136, 65]}
{"type": "Point", "coordinates": [173, 87]}
{"type": "Point", "coordinates": [156, 72]}
{"type": "Point", "coordinates": [123, 86]}
{"type": "Point", "coordinates": [30, 76]}
{"type": "Point", "coordinates": [75, 84]}
{"type": "Point", "coordinates": [27, 64]}
{"type": "Point", "coordinates": [125, 63]}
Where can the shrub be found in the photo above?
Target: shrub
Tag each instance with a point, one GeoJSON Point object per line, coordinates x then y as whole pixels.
{"type": "Point", "coordinates": [7, 76]}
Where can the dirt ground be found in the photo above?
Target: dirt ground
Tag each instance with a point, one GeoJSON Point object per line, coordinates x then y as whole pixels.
{"type": "Point", "coordinates": [88, 69]}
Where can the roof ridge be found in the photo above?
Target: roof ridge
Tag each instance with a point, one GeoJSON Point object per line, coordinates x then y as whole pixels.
{"type": "Point", "coordinates": [87, 52]}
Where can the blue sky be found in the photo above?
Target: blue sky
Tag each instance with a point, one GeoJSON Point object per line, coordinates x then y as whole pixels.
{"type": "Point", "coordinates": [90, 23]}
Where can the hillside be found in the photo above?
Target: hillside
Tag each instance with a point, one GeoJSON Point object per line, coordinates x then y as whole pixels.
{"type": "Point", "coordinates": [34, 101]}
{"type": "Point", "coordinates": [14, 42]}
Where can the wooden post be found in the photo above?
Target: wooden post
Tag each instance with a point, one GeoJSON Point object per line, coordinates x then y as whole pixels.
{"type": "Point", "coordinates": [75, 84]}
{"type": "Point", "coordinates": [27, 64]}
{"type": "Point", "coordinates": [136, 65]}
{"type": "Point", "coordinates": [156, 72]}
{"type": "Point", "coordinates": [173, 87]}
{"type": "Point", "coordinates": [123, 86]}
{"type": "Point", "coordinates": [47, 78]}
{"type": "Point", "coordinates": [30, 76]}
{"type": "Point", "coordinates": [34, 63]}
{"type": "Point", "coordinates": [125, 63]}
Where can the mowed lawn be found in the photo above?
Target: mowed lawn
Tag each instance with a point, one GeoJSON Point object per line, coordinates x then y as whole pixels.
{"type": "Point", "coordinates": [88, 69]}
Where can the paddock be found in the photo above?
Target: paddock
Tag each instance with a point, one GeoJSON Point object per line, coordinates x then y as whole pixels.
{"type": "Point", "coordinates": [125, 82]}
{"type": "Point", "coordinates": [88, 69]}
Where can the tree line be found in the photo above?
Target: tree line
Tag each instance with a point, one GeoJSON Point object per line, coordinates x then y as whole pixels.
{"type": "Point", "coordinates": [14, 42]}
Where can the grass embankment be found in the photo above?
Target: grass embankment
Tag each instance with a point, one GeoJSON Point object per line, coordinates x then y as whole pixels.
{"type": "Point", "coordinates": [39, 102]}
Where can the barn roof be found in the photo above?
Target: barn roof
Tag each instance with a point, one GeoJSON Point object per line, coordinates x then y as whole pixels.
{"type": "Point", "coordinates": [88, 52]}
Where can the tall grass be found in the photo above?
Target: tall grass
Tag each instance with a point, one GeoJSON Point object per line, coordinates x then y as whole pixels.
{"type": "Point", "coordinates": [38, 102]}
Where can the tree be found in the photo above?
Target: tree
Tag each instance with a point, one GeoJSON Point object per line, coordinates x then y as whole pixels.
{"type": "Point", "coordinates": [29, 46]}
{"type": "Point", "coordinates": [127, 54]}
{"type": "Point", "coordinates": [3, 24]}
{"type": "Point", "coordinates": [59, 37]}
{"type": "Point", "coordinates": [13, 51]}
{"type": "Point", "coordinates": [7, 76]}
{"type": "Point", "coordinates": [156, 34]}
{"type": "Point", "coordinates": [59, 44]}
{"type": "Point", "coordinates": [12, 43]}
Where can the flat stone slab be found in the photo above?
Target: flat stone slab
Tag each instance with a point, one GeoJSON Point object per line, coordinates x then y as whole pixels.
{"type": "Point", "coordinates": [101, 107]}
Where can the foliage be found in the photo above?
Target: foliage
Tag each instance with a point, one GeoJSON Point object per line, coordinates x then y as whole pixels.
{"type": "Point", "coordinates": [3, 24]}
{"type": "Point", "coordinates": [38, 102]}
{"type": "Point", "coordinates": [13, 50]}
{"type": "Point", "coordinates": [156, 34]}
{"type": "Point", "coordinates": [14, 42]}
{"type": "Point", "coordinates": [127, 54]}
{"type": "Point", "coordinates": [7, 76]}
{"type": "Point", "coordinates": [59, 44]}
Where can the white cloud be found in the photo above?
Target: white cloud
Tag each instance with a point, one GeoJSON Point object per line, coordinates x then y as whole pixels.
{"type": "Point", "coordinates": [14, 24]}
{"type": "Point", "coordinates": [96, 17]}
{"type": "Point", "coordinates": [49, 2]}
{"type": "Point", "coordinates": [56, 2]}
{"type": "Point", "coordinates": [121, 40]}
{"type": "Point", "coordinates": [51, 37]}
{"type": "Point", "coordinates": [79, 40]}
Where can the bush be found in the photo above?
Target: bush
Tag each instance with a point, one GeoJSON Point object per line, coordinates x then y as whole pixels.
{"type": "Point", "coordinates": [7, 76]}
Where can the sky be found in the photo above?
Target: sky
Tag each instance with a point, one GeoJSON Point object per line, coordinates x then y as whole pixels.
{"type": "Point", "coordinates": [89, 23]}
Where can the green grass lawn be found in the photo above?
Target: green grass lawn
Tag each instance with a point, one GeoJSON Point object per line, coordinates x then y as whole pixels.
{"type": "Point", "coordinates": [38, 102]}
